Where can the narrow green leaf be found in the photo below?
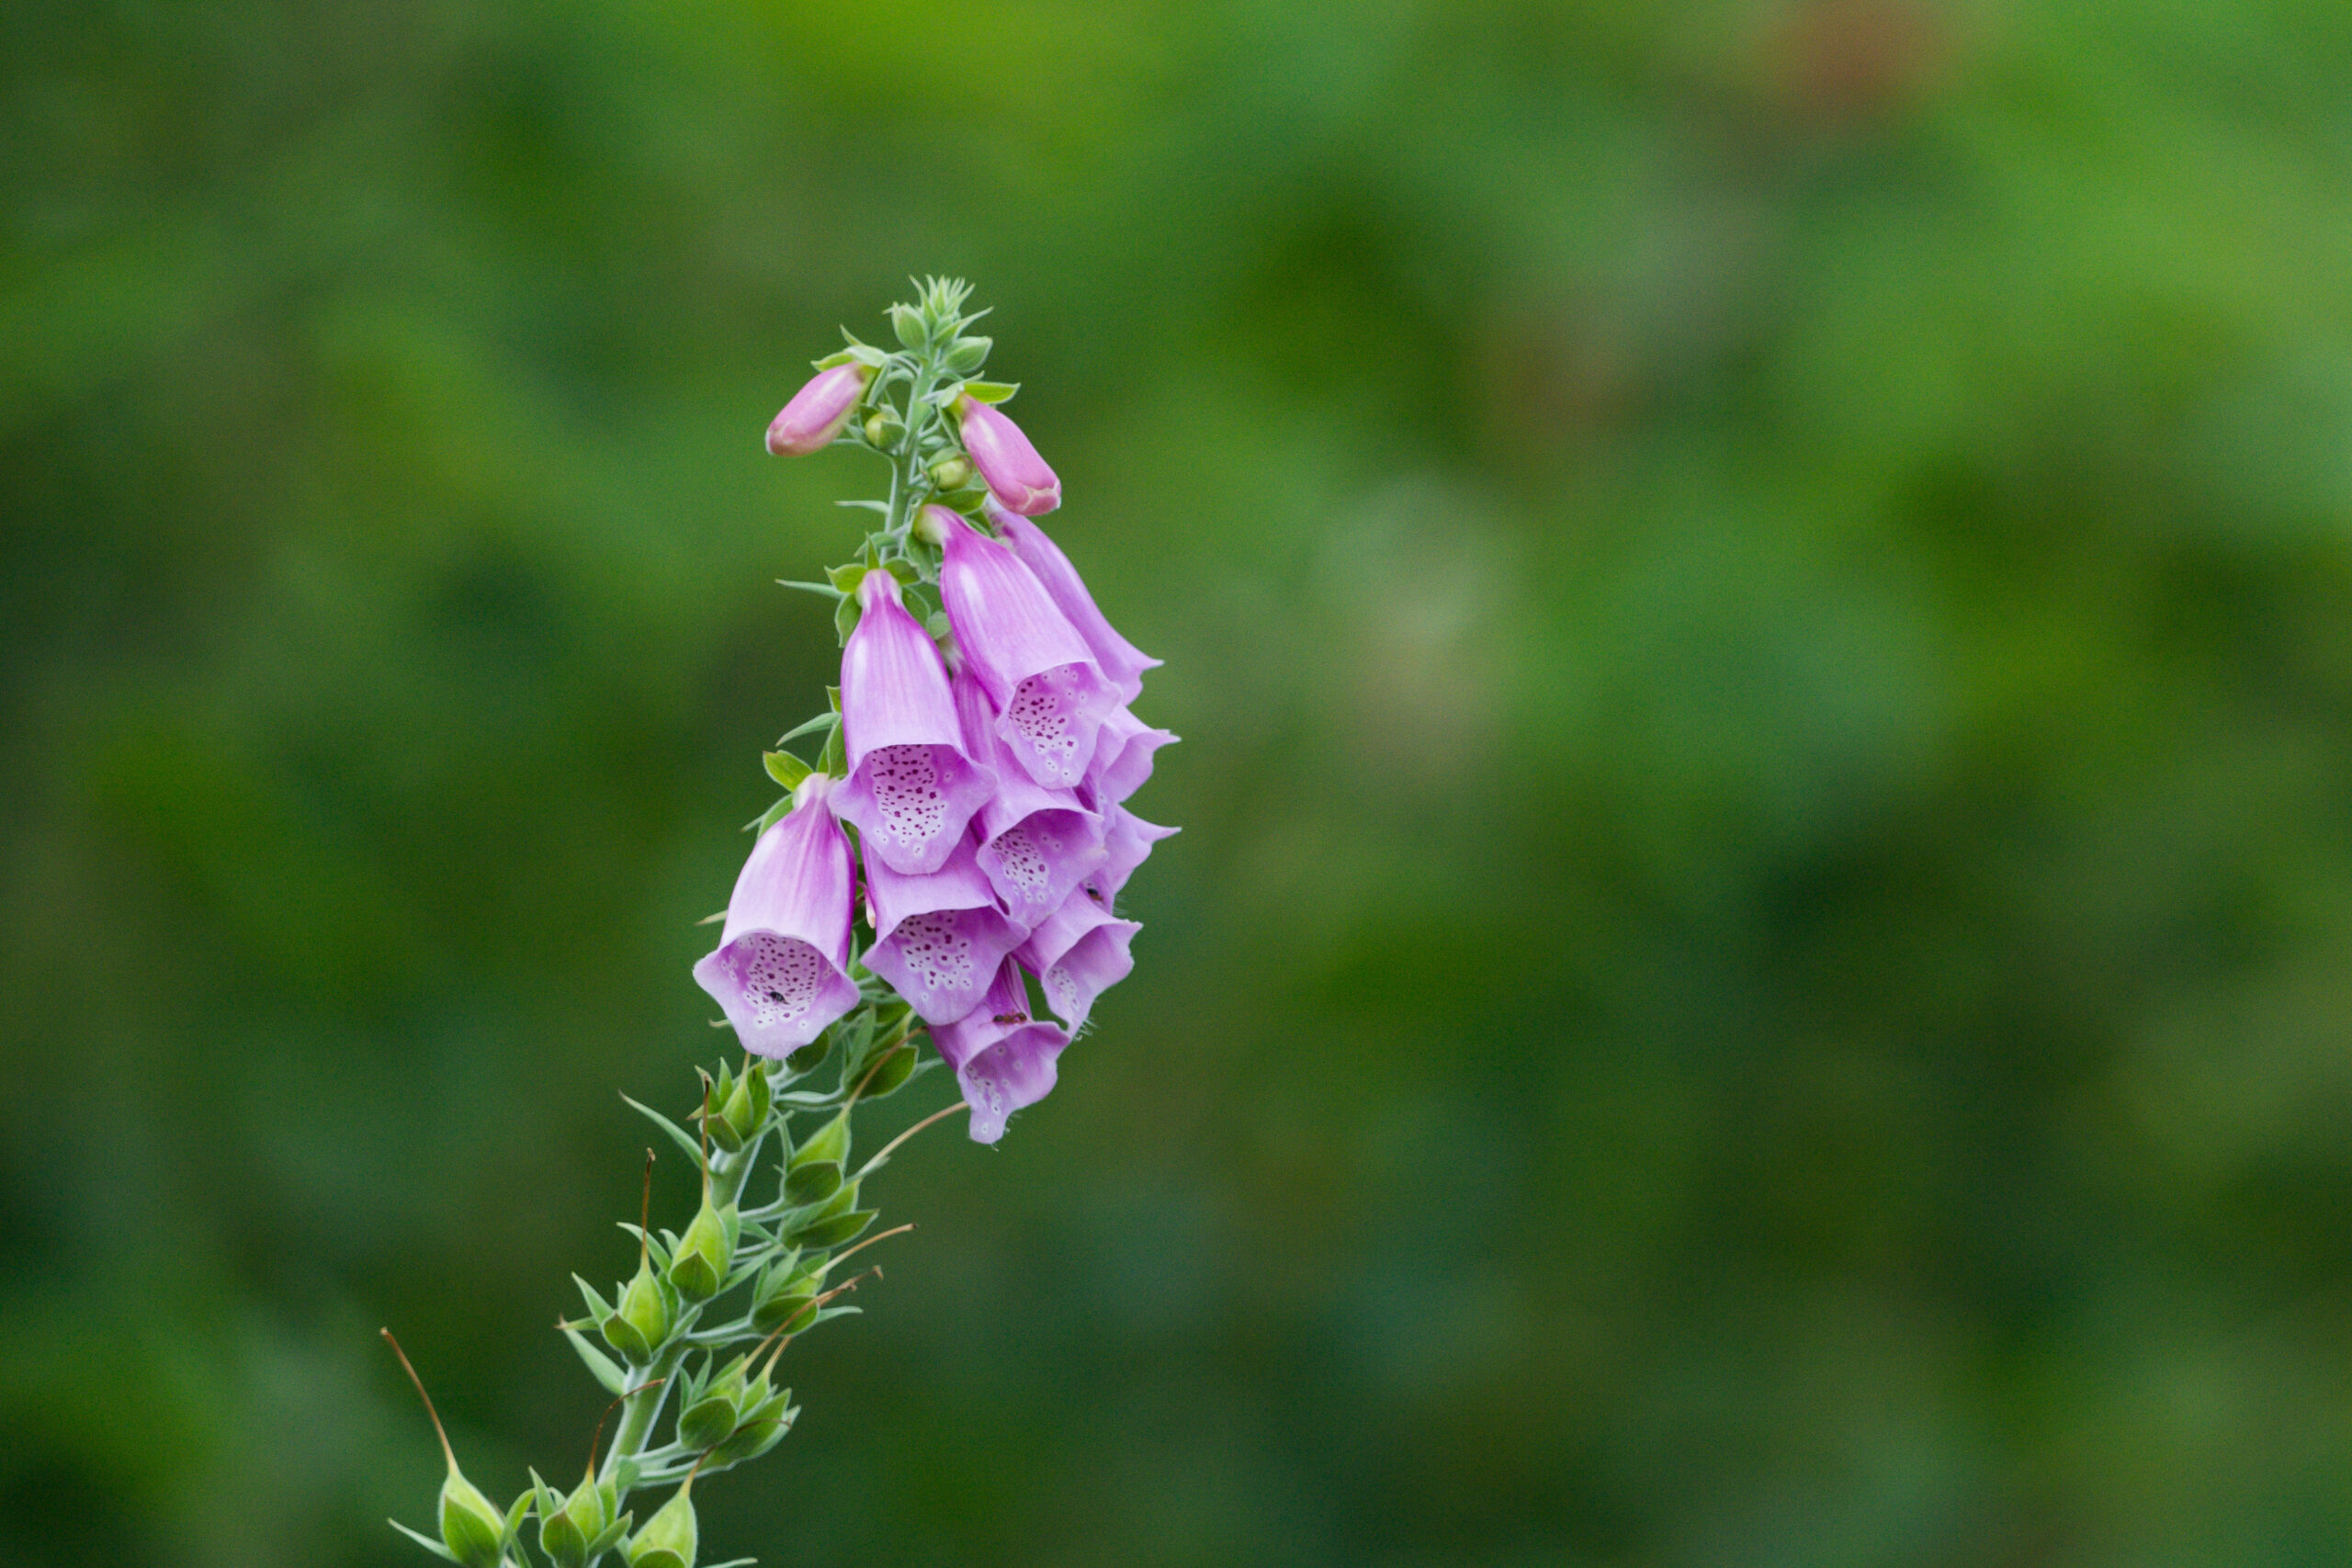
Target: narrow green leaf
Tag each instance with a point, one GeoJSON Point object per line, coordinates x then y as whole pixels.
{"type": "Point", "coordinates": [426, 1541]}
{"type": "Point", "coordinates": [677, 1134]}
{"type": "Point", "coordinates": [822, 721]}
{"type": "Point", "coordinates": [602, 1367]}
{"type": "Point", "coordinates": [825, 589]}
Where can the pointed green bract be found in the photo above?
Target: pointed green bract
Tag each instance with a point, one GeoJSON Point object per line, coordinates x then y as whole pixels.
{"type": "Point", "coordinates": [671, 1537]}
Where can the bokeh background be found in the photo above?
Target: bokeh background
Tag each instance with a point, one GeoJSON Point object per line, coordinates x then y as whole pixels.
{"type": "Point", "coordinates": [1759, 595]}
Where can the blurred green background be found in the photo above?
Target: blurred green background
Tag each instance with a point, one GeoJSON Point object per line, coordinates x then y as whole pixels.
{"type": "Point", "coordinates": [1759, 597]}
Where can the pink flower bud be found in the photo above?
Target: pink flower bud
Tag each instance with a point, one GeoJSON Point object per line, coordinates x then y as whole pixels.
{"type": "Point", "coordinates": [816, 412]}
{"type": "Point", "coordinates": [1010, 466]}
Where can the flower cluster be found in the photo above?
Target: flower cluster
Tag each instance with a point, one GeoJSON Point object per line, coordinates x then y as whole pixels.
{"type": "Point", "coordinates": [981, 753]}
{"type": "Point", "coordinates": [961, 836]}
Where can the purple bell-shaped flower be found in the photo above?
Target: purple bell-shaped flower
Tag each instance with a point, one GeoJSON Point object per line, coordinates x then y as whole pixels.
{"type": "Point", "coordinates": [1003, 1058]}
{"type": "Point", "coordinates": [1050, 696]}
{"type": "Point", "coordinates": [1036, 844]}
{"type": "Point", "coordinates": [780, 974]}
{"type": "Point", "coordinates": [911, 785]}
{"type": "Point", "coordinates": [1079, 951]}
{"type": "Point", "coordinates": [1122, 661]}
{"type": "Point", "coordinates": [937, 939]}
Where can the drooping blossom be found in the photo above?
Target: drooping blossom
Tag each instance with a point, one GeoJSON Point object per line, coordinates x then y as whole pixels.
{"type": "Point", "coordinates": [1077, 952]}
{"type": "Point", "coordinates": [912, 785]}
{"type": "Point", "coordinates": [1010, 465]}
{"type": "Point", "coordinates": [1036, 844]}
{"type": "Point", "coordinates": [1003, 1058]}
{"type": "Point", "coordinates": [1123, 756]}
{"type": "Point", "coordinates": [1050, 696]}
{"type": "Point", "coordinates": [1122, 661]}
{"type": "Point", "coordinates": [1127, 844]}
{"type": "Point", "coordinates": [937, 939]}
{"type": "Point", "coordinates": [816, 412]}
{"type": "Point", "coordinates": [780, 973]}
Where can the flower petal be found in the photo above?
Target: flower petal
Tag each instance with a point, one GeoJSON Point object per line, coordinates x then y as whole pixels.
{"type": "Point", "coordinates": [1078, 954]}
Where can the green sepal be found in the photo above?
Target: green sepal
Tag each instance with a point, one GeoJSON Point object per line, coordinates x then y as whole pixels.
{"type": "Point", "coordinates": [813, 1183]}
{"type": "Point", "coordinates": [561, 1539]}
{"type": "Point", "coordinates": [833, 1232]}
{"type": "Point", "coordinates": [788, 1305]}
{"type": "Point", "coordinates": [990, 391]}
{"type": "Point", "coordinates": [611, 1536]}
{"type": "Point", "coordinates": [967, 354]}
{"type": "Point", "coordinates": [471, 1526]}
{"type": "Point", "coordinates": [424, 1540]}
{"type": "Point", "coordinates": [845, 616]}
{"type": "Point", "coordinates": [827, 1142]}
{"type": "Point", "coordinates": [516, 1514]}
{"type": "Point", "coordinates": [706, 1423]}
{"type": "Point", "coordinates": [671, 1537]}
{"type": "Point", "coordinates": [810, 1057]}
{"type": "Point", "coordinates": [845, 578]}
{"type": "Point", "coordinates": [893, 1073]}
{"type": "Point", "coordinates": [600, 1366]}
{"type": "Point", "coordinates": [760, 824]}
{"type": "Point", "coordinates": [784, 768]}
{"type": "Point", "coordinates": [598, 1308]}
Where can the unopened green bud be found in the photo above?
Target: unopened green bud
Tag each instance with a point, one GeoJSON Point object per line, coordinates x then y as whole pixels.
{"type": "Point", "coordinates": [707, 1422]}
{"type": "Point", "coordinates": [746, 1111]}
{"type": "Point", "coordinates": [699, 1266]}
{"type": "Point", "coordinates": [951, 472]}
{"type": "Point", "coordinates": [879, 426]}
{"type": "Point", "coordinates": [763, 1426]}
{"type": "Point", "coordinates": [671, 1537]}
{"type": "Point", "coordinates": [565, 1534]}
{"type": "Point", "coordinates": [832, 1222]}
{"type": "Point", "coordinates": [471, 1526]}
{"type": "Point", "coordinates": [908, 323]}
{"type": "Point", "coordinates": [641, 1322]}
{"type": "Point", "coordinates": [967, 354]}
